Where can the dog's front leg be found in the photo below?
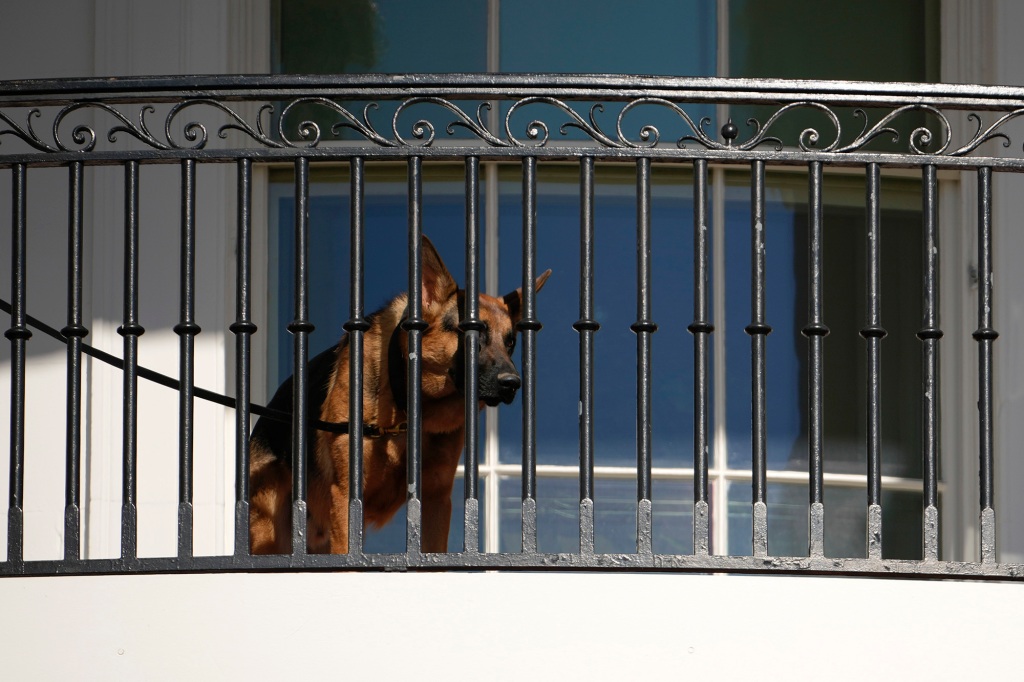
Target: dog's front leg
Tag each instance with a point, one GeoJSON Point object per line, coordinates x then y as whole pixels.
{"type": "Point", "coordinates": [339, 518]}
{"type": "Point", "coordinates": [437, 517]}
{"type": "Point", "coordinates": [440, 460]}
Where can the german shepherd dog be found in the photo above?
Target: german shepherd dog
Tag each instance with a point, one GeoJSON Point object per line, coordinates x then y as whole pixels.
{"type": "Point", "coordinates": [384, 468]}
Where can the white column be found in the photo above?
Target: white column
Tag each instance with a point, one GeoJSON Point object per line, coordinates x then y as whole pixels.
{"type": "Point", "coordinates": [49, 38]}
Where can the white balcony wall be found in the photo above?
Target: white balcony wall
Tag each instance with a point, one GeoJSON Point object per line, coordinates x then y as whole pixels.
{"type": "Point", "coordinates": [455, 626]}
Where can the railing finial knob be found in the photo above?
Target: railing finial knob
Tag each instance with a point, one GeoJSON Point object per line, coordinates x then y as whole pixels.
{"type": "Point", "coordinates": [730, 131]}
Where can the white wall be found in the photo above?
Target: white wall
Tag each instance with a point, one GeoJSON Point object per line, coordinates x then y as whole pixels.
{"type": "Point", "coordinates": [507, 627]}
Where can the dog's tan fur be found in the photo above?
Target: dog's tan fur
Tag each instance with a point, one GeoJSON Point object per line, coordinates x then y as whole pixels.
{"type": "Point", "coordinates": [384, 468]}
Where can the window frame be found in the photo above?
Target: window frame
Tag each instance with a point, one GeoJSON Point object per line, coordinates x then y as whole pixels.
{"type": "Point", "coordinates": [956, 507]}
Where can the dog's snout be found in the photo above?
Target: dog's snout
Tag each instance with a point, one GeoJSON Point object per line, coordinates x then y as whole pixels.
{"type": "Point", "coordinates": [500, 387]}
{"type": "Point", "coordinates": [509, 382]}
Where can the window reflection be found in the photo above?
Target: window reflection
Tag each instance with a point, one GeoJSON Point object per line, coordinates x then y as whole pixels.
{"type": "Point", "coordinates": [615, 309]}
{"type": "Point", "coordinates": [845, 312]}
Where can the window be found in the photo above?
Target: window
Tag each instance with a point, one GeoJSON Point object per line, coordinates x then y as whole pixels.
{"type": "Point", "coordinates": [686, 38]}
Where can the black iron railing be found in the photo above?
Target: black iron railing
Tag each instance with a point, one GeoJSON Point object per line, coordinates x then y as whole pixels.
{"type": "Point", "coordinates": [417, 120]}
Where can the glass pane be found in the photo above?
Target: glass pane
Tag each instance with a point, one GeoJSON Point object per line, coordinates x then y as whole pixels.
{"type": "Point", "coordinates": [673, 516]}
{"type": "Point", "coordinates": [785, 354]}
{"type": "Point", "coordinates": [902, 531]}
{"type": "Point", "coordinates": [773, 40]}
{"type": "Point", "coordinates": [615, 309]}
{"type": "Point", "coordinates": [558, 519]}
{"type": "Point", "coordinates": [644, 37]}
{"type": "Point", "coordinates": [648, 36]}
{"type": "Point", "coordinates": [361, 36]}
{"type": "Point", "coordinates": [845, 312]}
{"type": "Point", "coordinates": [845, 522]}
{"type": "Point", "coordinates": [557, 515]}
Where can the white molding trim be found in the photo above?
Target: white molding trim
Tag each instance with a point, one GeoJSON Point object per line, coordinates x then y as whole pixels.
{"type": "Point", "coordinates": [966, 56]}
{"type": "Point", "coordinates": [979, 45]}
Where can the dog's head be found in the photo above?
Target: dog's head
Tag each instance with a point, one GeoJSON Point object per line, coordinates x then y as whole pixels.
{"type": "Point", "coordinates": [443, 347]}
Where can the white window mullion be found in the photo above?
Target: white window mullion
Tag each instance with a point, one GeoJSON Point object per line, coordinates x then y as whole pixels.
{"type": "Point", "coordinates": [719, 462]}
{"type": "Point", "coordinates": [720, 452]}
{"type": "Point", "coordinates": [492, 499]}
{"type": "Point", "coordinates": [488, 472]}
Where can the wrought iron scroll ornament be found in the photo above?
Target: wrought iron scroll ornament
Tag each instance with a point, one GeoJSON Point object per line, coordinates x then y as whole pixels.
{"type": "Point", "coordinates": [309, 131]}
{"type": "Point", "coordinates": [423, 128]}
{"type": "Point", "coordinates": [989, 133]}
{"type": "Point", "coordinates": [920, 138]}
{"type": "Point", "coordinates": [26, 134]}
{"type": "Point", "coordinates": [195, 132]}
{"type": "Point", "coordinates": [934, 138]}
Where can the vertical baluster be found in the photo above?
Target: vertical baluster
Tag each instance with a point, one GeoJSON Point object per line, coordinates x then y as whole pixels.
{"type": "Point", "coordinates": [758, 330]}
{"type": "Point", "coordinates": [186, 330]}
{"type": "Point", "coordinates": [471, 327]}
{"type": "Point", "coordinates": [701, 328]}
{"type": "Point", "coordinates": [74, 332]}
{"type": "Point", "coordinates": [18, 334]}
{"type": "Point", "coordinates": [929, 336]}
{"type": "Point", "coordinates": [300, 327]}
{"type": "Point", "coordinates": [130, 330]}
{"type": "Point", "coordinates": [586, 326]}
{"type": "Point", "coordinates": [529, 325]}
{"type": "Point", "coordinates": [243, 328]}
{"type": "Point", "coordinates": [414, 326]}
{"type": "Point", "coordinates": [644, 327]}
{"type": "Point", "coordinates": [356, 327]}
{"type": "Point", "coordinates": [873, 334]}
{"type": "Point", "coordinates": [815, 331]}
{"type": "Point", "coordinates": [985, 335]}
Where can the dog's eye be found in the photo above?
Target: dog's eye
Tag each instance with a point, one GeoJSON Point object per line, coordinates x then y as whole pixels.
{"type": "Point", "coordinates": [510, 342]}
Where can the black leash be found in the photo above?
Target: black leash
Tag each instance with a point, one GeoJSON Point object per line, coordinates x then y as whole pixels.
{"type": "Point", "coordinates": [369, 430]}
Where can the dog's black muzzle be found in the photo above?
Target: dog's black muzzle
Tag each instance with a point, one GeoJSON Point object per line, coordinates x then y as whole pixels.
{"type": "Point", "coordinates": [497, 383]}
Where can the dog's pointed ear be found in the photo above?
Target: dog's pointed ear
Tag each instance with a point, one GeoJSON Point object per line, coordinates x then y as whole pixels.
{"type": "Point", "coordinates": [438, 284]}
{"type": "Point", "coordinates": [514, 300]}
